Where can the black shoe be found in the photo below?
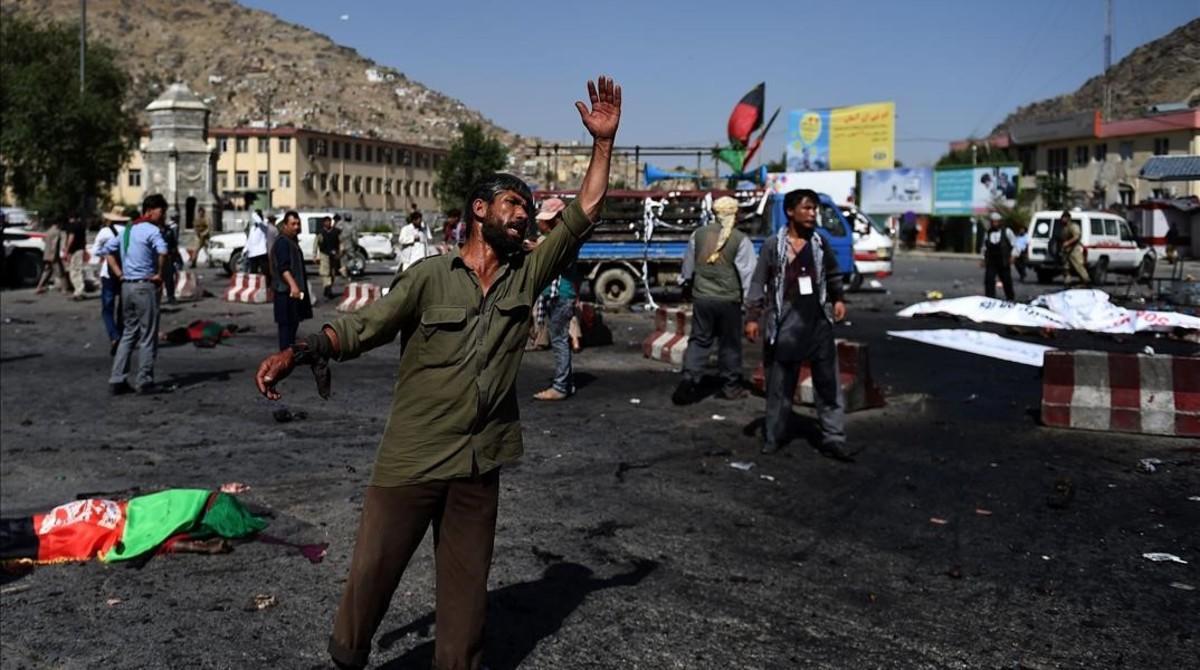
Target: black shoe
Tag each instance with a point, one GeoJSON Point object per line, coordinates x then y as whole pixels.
{"type": "Point", "coordinates": [120, 388]}
{"type": "Point", "coordinates": [769, 448]}
{"type": "Point", "coordinates": [685, 394]}
{"type": "Point", "coordinates": [837, 452]}
{"type": "Point", "coordinates": [734, 393]}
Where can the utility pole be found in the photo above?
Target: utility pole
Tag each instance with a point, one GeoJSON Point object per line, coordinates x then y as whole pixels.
{"type": "Point", "coordinates": [1108, 34]}
{"type": "Point", "coordinates": [82, 42]}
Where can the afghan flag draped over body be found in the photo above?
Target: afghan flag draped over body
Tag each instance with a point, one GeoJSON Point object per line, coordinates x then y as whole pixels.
{"type": "Point", "coordinates": [111, 530]}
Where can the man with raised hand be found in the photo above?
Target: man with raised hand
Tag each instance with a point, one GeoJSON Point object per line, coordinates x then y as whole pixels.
{"type": "Point", "coordinates": [464, 319]}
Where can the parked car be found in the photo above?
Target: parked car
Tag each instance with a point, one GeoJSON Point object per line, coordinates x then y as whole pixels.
{"type": "Point", "coordinates": [873, 247]}
{"type": "Point", "coordinates": [22, 260]}
{"type": "Point", "coordinates": [226, 249]}
{"type": "Point", "coordinates": [1109, 245]}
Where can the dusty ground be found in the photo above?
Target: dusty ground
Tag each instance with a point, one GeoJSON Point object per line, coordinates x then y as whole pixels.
{"type": "Point", "coordinates": [626, 540]}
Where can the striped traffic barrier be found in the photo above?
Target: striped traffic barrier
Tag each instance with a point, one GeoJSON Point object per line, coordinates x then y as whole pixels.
{"type": "Point", "coordinates": [1128, 393]}
{"type": "Point", "coordinates": [859, 390]}
{"type": "Point", "coordinates": [187, 286]}
{"type": "Point", "coordinates": [668, 342]}
{"type": "Point", "coordinates": [249, 288]}
{"type": "Point", "coordinates": [358, 295]}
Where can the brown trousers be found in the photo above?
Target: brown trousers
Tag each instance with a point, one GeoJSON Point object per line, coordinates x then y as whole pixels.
{"type": "Point", "coordinates": [394, 519]}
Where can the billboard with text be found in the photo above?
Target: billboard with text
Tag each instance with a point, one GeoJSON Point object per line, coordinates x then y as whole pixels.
{"type": "Point", "coordinates": [861, 137]}
{"type": "Point", "coordinates": [974, 190]}
{"type": "Point", "coordinates": [897, 191]}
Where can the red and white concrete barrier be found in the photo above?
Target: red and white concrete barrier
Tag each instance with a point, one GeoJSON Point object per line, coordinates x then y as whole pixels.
{"type": "Point", "coordinates": [358, 295]}
{"type": "Point", "coordinates": [854, 372]}
{"type": "Point", "coordinates": [248, 287]}
{"type": "Point", "coordinates": [187, 286]}
{"type": "Point", "coordinates": [672, 326]}
{"type": "Point", "coordinates": [1129, 393]}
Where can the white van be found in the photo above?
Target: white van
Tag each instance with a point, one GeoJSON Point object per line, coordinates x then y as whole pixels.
{"type": "Point", "coordinates": [1108, 245]}
{"type": "Point", "coordinates": [873, 246]}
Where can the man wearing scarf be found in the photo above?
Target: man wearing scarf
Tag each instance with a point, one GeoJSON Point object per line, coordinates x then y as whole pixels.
{"type": "Point", "coordinates": [717, 267]}
{"type": "Point", "coordinates": [796, 295]}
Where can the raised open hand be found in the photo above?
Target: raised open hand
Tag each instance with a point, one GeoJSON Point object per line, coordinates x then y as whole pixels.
{"type": "Point", "coordinates": [605, 114]}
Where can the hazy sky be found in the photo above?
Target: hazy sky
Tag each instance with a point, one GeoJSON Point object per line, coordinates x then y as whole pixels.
{"type": "Point", "coordinates": [954, 68]}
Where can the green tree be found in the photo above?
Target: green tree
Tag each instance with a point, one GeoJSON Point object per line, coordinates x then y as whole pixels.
{"type": "Point", "coordinates": [472, 155]}
{"type": "Point", "coordinates": [59, 149]}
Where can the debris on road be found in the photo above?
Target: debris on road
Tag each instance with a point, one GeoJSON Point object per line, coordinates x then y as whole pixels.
{"type": "Point", "coordinates": [718, 417]}
{"type": "Point", "coordinates": [635, 401]}
{"type": "Point", "coordinates": [1182, 587]}
{"type": "Point", "coordinates": [113, 601]}
{"type": "Point", "coordinates": [234, 487]}
{"type": "Point", "coordinates": [285, 415]}
{"type": "Point", "coordinates": [1149, 465]}
{"type": "Point", "coordinates": [1194, 498]}
{"type": "Point", "coordinates": [934, 295]}
{"type": "Point", "coordinates": [938, 521]}
{"type": "Point", "coordinates": [744, 466]}
{"type": "Point", "coordinates": [261, 601]}
{"type": "Point", "coordinates": [624, 467]}
{"type": "Point", "coordinates": [983, 512]}
{"type": "Point", "coordinates": [768, 478]}
{"type": "Point", "coordinates": [1063, 494]}
{"type": "Point", "coordinates": [1161, 557]}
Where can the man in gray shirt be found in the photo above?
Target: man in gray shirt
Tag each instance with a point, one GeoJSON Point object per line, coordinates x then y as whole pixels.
{"type": "Point", "coordinates": [717, 268]}
{"type": "Point", "coordinates": [796, 292]}
{"type": "Point", "coordinates": [136, 259]}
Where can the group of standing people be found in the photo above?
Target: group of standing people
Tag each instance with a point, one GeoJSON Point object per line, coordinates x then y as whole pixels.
{"type": "Point", "coordinates": [791, 296]}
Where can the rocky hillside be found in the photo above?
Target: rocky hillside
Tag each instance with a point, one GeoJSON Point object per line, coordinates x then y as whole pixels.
{"type": "Point", "coordinates": [1162, 71]}
{"type": "Point", "coordinates": [232, 56]}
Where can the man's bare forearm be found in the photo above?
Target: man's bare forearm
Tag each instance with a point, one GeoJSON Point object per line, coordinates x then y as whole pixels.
{"type": "Point", "coordinates": [595, 182]}
{"type": "Point", "coordinates": [162, 264]}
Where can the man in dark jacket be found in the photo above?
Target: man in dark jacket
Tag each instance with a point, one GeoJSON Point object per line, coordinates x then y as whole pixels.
{"type": "Point", "coordinates": [796, 292]}
{"type": "Point", "coordinates": [289, 281]}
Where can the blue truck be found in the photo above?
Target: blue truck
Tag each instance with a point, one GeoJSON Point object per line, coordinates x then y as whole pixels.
{"type": "Point", "coordinates": [642, 236]}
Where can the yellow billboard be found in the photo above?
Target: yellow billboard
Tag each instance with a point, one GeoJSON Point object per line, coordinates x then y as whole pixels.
{"type": "Point", "coordinates": [862, 137]}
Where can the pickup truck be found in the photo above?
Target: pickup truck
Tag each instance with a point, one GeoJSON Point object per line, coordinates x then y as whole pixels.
{"type": "Point", "coordinates": [642, 236]}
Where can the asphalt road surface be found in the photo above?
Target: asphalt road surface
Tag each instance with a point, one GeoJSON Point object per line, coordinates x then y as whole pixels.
{"type": "Point", "coordinates": [626, 539]}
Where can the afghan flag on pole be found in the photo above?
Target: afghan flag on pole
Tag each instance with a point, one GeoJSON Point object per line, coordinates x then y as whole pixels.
{"type": "Point", "coordinates": [111, 530]}
{"type": "Point", "coordinates": [747, 116]}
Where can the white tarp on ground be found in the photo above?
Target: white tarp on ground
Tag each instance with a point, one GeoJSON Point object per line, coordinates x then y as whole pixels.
{"type": "Point", "coordinates": [979, 342]}
{"type": "Point", "coordinates": [1076, 309]}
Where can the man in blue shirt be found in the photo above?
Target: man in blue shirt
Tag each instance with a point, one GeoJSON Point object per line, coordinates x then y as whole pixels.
{"type": "Point", "coordinates": [136, 259]}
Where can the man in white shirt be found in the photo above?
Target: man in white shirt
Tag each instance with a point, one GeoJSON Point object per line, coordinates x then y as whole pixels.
{"type": "Point", "coordinates": [110, 288]}
{"type": "Point", "coordinates": [414, 241]}
{"type": "Point", "coordinates": [258, 240]}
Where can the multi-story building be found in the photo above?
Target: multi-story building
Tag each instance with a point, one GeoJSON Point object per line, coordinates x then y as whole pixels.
{"type": "Point", "coordinates": [297, 168]}
{"type": "Point", "coordinates": [1100, 161]}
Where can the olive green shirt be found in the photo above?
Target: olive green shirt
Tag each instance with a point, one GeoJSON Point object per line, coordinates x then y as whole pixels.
{"type": "Point", "coordinates": [454, 412]}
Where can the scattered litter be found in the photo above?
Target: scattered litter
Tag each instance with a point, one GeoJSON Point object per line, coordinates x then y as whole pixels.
{"type": "Point", "coordinates": [768, 478]}
{"type": "Point", "coordinates": [635, 401]}
{"type": "Point", "coordinates": [718, 417]}
{"type": "Point", "coordinates": [957, 283]}
{"type": "Point", "coordinates": [847, 323]}
{"type": "Point", "coordinates": [1045, 557]}
{"type": "Point", "coordinates": [983, 512]}
{"type": "Point", "coordinates": [938, 521]}
{"type": "Point", "coordinates": [234, 487]}
{"type": "Point", "coordinates": [1160, 557]}
{"type": "Point", "coordinates": [1148, 350]}
{"type": "Point", "coordinates": [1194, 498]}
{"type": "Point", "coordinates": [874, 283]}
{"type": "Point", "coordinates": [934, 295]}
{"type": "Point", "coordinates": [285, 415]}
{"type": "Point", "coordinates": [1063, 494]}
{"type": "Point", "coordinates": [1149, 465]}
{"type": "Point", "coordinates": [22, 322]}
{"type": "Point", "coordinates": [993, 465]}
{"type": "Point", "coordinates": [112, 601]}
{"type": "Point", "coordinates": [1182, 587]}
{"type": "Point", "coordinates": [261, 601]}
{"type": "Point", "coordinates": [972, 397]}
{"type": "Point", "coordinates": [744, 466]}
{"type": "Point", "coordinates": [624, 467]}
{"type": "Point", "coordinates": [87, 345]}
{"type": "Point", "coordinates": [954, 572]}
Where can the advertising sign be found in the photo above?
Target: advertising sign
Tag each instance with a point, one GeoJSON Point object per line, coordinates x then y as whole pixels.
{"type": "Point", "coordinates": [838, 184]}
{"type": "Point", "coordinates": [967, 191]}
{"type": "Point", "coordinates": [861, 137]}
{"type": "Point", "coordinates": [897, 191]}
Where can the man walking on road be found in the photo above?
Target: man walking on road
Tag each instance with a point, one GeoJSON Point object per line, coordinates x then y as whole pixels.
{"type": "Point", "coordinates": [1072, 251]}
{"type": "Point", "coordinates": [999, 249]}
{"type": "Point", "coordinates": [52, 260]}
{"type": "Point", "coordinates": [463, 317]}
{"type": "Point", "coordinates": [110, 286]}
{"type": "Point", "coordinates": [329, 250]}
{"type": "Point", "coordinates": [796, 293]}
{"type": "Point", "coordinates": [203, 233]}
{"type": "Point", "coordinates": [717, 267]}
{"type": "Point", "coordinates": [137, 259]}
{"type": "Point", "coordinates": [76, 249]}
{"type": "Point", "coordinates": [559, 300]}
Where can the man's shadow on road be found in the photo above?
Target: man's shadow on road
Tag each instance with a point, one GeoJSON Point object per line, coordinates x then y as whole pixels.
{"type": "Point", "coordinates": [520, 615]}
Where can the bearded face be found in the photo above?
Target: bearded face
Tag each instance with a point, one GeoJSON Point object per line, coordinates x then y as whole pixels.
{"type": "Point", "coordinates": [505, 222]}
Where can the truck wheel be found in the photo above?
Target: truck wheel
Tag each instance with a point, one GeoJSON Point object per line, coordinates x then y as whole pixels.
{"type": "Point", "coordinates": [356, 262]}
{"type": "Point", "coordinates": [615, 287]}
{"type": "Point", "coordinates": [22, 269]}
{"type": "Point", "coordinates": [1045, 276]}
{"type": "Point", "coordinates": [235, 262]}
{"type": "Point", "coordinates": [1100, 272]}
